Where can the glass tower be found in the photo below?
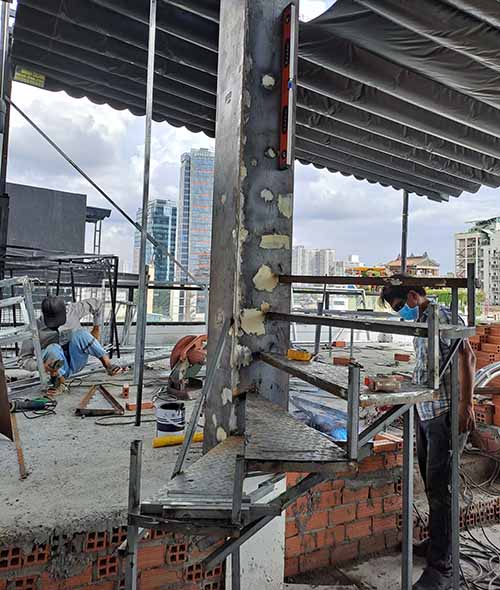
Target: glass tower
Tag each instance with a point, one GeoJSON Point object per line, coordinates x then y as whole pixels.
{"type": "Point", "coordinates": [194, 225]}
{"type": "Point", "coordinates": [162, 225]}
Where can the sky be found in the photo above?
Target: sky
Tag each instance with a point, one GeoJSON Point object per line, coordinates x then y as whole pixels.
{"type": "Point", "coordinates": [331, 211]}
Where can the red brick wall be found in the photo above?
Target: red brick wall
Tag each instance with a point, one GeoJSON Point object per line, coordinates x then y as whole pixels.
{"type": "Point", "coordinates": [356, 515]}
{"type": "Point", "coordinates": [164, 561]}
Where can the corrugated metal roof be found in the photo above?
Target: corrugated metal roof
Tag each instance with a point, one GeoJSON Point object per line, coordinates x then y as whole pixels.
{"type": "Point", "coordinates": [401, 93]}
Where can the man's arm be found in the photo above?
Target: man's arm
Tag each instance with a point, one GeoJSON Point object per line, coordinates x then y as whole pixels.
{"type": "Point", "coordinates": [467, 370]}
{"type": "Point", "coordinates": [91, 306]}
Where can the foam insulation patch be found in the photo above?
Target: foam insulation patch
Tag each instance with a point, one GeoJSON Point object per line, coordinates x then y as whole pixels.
{"type": "Point", "coordinates": [285, 205]}
{"type": "Point", "coordinates": [267, 195]}
{"type": "Point", "coordinates": [265, 279]}
{"type": "Point", "coordinates": [252, 322]}
{"type": "Point", "coordinates": [226, 395]}
{"type": "Point", "coordinates": [275, 242]}
{"type": "Point", "coordinates": [221, 434]}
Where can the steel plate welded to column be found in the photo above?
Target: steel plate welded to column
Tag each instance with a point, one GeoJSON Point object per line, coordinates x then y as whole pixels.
{"type": "Point", "coordinates": [252, 216]}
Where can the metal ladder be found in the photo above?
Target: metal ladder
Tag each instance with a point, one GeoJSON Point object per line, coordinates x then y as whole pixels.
{"type": "Point", "coordinates": [28, 330]}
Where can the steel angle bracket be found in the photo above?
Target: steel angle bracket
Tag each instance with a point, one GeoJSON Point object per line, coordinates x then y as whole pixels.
{"type": "Point", "coordinates": [114, 409]}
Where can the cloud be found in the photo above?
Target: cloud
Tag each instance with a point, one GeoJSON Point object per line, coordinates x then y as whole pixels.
{"type": "Point", "coordinates": [330, 210]}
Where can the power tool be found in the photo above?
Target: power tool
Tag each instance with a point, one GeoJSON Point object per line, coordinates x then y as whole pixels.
{"type": "Point", "coordinates": [40, 404]}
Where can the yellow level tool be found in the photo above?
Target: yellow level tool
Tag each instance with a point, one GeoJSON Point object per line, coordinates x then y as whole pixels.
{"type": "Point", "coordinates": [173, 440]}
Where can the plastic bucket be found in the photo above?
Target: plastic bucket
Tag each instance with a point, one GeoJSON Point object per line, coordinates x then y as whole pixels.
{"type": "Point", "coordinates": [170, 418]}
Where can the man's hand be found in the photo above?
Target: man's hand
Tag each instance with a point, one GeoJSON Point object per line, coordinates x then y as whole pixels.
{"type": "Point", "coordinates": [96, 332]}
{"type": "Point", "coordinates": [466, 417]}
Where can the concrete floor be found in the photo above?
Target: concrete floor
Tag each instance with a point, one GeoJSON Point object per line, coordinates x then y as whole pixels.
{"type": "Point", "coordinates": [78, 471]}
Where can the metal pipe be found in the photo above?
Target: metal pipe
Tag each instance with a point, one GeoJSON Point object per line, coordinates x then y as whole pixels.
{"type": "Point", "coordinates": [122, 212]}
{"type": "Point", "coordinates": [455, 456]}
{"type": "Point", "coordinates": [353, 412]}
{"type": "Point", "coordinates": [134, 506]}
{"type": "Point", "coordinates": [471, 294]}
{"type": "Point", "coordinates": [407, 552]}
{"type": "Point", "coordinates": [404, 233]}
{"type": "Point", "coordinates": [143, 295]}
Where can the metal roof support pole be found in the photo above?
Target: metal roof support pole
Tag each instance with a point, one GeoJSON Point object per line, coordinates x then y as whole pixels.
{"type": "Point", "coordinates": [142, 300]}
{"type": "Point", "coordinates": [404, 233]}
{"type": "Point", "coordinates": [252, 210]}
{"type": "Point", "coordinates": [5, 90]}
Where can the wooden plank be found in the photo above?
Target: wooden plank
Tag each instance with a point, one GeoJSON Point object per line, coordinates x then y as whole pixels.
{"type": "Point", "coordinates": [23, 474]}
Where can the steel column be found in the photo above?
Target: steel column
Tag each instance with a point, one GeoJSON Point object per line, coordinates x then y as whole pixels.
{"type": "Point", "coordinates": [134, 505]}
{"type": "Point", "coordinates": [404, 233]}
{"type": "Point", "coordinates": [252, 209]}
{"type": "Point", "coordinates": [5, 90]}
{"type": "Point", "coordinates": [471, 294]}
{"type": "Point", "coordinates": [353, 411]}
{"type": "Point", "coordinates": [433, 347]}
{"type": "Point", "coordinates": [142, 302]}
{"type": "Point", "coordinates": [455, 454]}
{"type": "Point", "coordinates": [407, 552]}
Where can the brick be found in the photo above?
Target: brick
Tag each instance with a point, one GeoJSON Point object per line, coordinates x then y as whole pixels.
{"type": "Point", "coordinates": [102, 586]}
{"type": "Point", "coordinates": [318, 520]}
{"type": "Point", "coordinates": [315, 560]}
{"type": "Point", "coordinates": [392, 539]}
{"type": "Point", "coordinates": [329, 499]}
{"type": "Point", "coordinates": [291, 566]}
{"type": "Point", "coordinates": [393, 503]}
{"type": "Point", "coordinates": [342, 514]}
{"type": "Point", "coordinates": [23, 583]}
{"type": "Point", "coordinates": [373, 463]}
{"type": "Point", "coordinates": [355, 495]}
{"type": "Point", "coordinates": [330, 537]}
{"type": "Point", "coordinates": [338, 484]}
{"type": "Point", "coordinates": [393, 460]}
{"type": "Point", "coordinates": [401, 357]}
{"type": "Point", "coordinates": [369, 508]}
{"type": "Point", "coordinates": [177, 553]}
{"type": "Point", "coordinates": [107, 566]}
{"type": "Point", "coordinates": [341, 361]}
{"type": "Point", "coordinates": [151, 556]}
{"type": "Point", "coordinates": [95, 541]}
{"type": "Point", "coordinates": [382, 491]}
{"type": "Point", "coordinates": [291, 528]}
{"type": "Point", "coordinates": [3, 584]}
{"type": "Point", "coordinates": [358, 529]}
{"type": "Point", "coordinates": [10, 558]}
{"type": "Point", "coordinates": [118, 535]}
{"type": "Point", "coordinates": [344, 553]}
{"type": "Point", "coordinates": [39, 554]}
{"type": "Point", "coordinates": [308, 543]}
{"type": "Point", "coordinates": [372, 544]}
{"type": "Point", "coordinates": [84, 578]}
{"type": "Point", "coordinates": [158, 578]}
{"type": "Point", "coordinates": [293, 546]}
{"type": "Point", "coordinates": [213, 585]}
{"type": "Point", "coordinates": [293, 478]}
{"type": "Point", "coordinates": [193, 573]}
{"type": "Point", "coordinates": [384, 523]}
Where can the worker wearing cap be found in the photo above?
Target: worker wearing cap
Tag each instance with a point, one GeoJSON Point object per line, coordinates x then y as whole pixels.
{"type": "Point", "coordinates": [433, 431]}
{"type": "Point", "coordinates": [66, 346]}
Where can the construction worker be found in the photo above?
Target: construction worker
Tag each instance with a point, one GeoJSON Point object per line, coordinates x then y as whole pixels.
{"type": "Point", "coordinates": [433, 429]}
{"type": "Point", "coordinates": [66, 346]}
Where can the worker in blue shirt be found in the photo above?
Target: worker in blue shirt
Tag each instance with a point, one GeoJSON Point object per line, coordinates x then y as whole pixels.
{"type": "Point", "coordinates": [433, 430]}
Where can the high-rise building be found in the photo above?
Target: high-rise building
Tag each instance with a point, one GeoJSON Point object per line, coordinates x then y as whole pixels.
{"type": "Point", "coordinates": [314, 262]}
{"type": "Point", "coordinates": [481, 245]}
{"type": "Point", "coordinates": [194, 226]}
{"type": "Point", "coordinates": [162, 225]}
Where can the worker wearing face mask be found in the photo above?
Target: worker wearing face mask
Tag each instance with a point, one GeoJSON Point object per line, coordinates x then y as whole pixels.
{"type": "Point", "coordinates": [434, 431]}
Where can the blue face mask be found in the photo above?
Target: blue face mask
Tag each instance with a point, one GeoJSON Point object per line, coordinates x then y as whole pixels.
{"type": "Point", "coordinates": [408, 313]}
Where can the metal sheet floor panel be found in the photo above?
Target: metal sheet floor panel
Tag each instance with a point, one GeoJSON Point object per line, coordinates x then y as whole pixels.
{"type": "Point", "coordinates": [273, 435]}
{"type": "Point", "coordinates": [334, 380]}
{"type": "Point", "coordinates": [211, 477]}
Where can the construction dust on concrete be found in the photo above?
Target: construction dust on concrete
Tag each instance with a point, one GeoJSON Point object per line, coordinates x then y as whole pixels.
{"type": "Point", "coordinates": [77, 470]}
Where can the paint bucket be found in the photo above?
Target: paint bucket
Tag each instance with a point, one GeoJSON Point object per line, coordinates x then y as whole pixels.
{"type": "Point", "coordinates": [170, 418]}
